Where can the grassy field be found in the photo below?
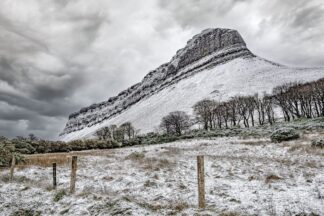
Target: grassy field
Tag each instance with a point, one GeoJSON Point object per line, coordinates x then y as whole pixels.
{"type": "Point", "coordinates": [244, 176]}
{"type": "Point", "coordinates": [46, 160]}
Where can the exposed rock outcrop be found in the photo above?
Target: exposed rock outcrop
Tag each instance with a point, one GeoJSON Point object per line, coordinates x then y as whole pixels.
{"type": "Point", "coordinates": [207, 49]}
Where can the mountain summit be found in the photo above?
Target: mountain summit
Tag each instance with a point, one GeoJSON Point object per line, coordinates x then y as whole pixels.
{"type": "Point", "coordinates": [214, 64]}
{"type": "Point", "coordinates": [209, 41]}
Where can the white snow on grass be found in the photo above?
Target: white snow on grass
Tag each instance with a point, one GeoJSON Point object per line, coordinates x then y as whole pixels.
{"type": "Point", "coordinates": [242, 76]}
{"type": "Point", "coordinates": [245, 176]}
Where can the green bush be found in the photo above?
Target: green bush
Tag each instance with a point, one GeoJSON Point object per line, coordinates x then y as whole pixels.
{"type": "Point", "coordinates": [90, 143]}
{"type": "Point", "coordinates": [116, 144]}
{"type": "Point", "coordinates": [26, 212]}
{"type": "Point", "coordinates": [24, 147]}
{"type": "Point", "coordinates": [59, 195]}
{"type": "Point", "coordinates": [77, 145]}
{"type": "Point", "coordinates": [319, 143]}
{"type": "Point", "coordinates": [284, 134]}
{"type": "Point", "coordinates": [7, 152]}
{"type": "Point", "coordinates": [131, 142]}
{"type": "Point", "coordinates": [136, 156]}
{"type": "Point", "coordinates": [21, 145]}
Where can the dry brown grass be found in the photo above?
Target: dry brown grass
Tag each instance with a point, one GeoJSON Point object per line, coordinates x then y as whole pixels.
{"type": "Point", "coordinates": [157, 164]}
{"type": "Point", "coordinates": [229, 214]}
{"type": "Point", "coordinates": [135, 156]}
{"type": "Point", "coordinates": [271, 178]}
{"type": "Point", "coordinates": [175, 207]}
{"type": "Point", "coordinates": [44, 160]}
{"type": "Point", "coordinates": [251, 159]}
{"type": "Point", "coordinates": [27, 182]}
{"type": "Point", "coordinates": [254, 142]}
{"type": "Point", "coordinates": [303, 144]}
{"type": "Point", "coordinates": [306, 148]}
{"type": "Point", "coordinates": [311, 164]}
{"type": "Point", "coordinates": [171, 151]}
{"type": "Point", "coordinates": [179, 206]}
{"type": "Point", "coordinates": [149, 183]}
{"type": "Point", "coordinates": [150, 163]}
{"type": "Point", "coordinates": [47, 160]}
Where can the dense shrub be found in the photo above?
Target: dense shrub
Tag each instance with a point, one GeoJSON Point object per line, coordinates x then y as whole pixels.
{"type": "Point", "coordinates": [90, 143]}
{"type": "Point", "coordinates": [20, 145]}
{"type": "Point", "coordinates": [26, 212]}
{"type": "Point", "coordinates": [17, 147]}
{"type": "Point", "coordinates": [284, 134]}
{"type": "Point", "coordinates": [24, 147]}
{"type": "Point", "coordinates": [7, 152]}
{"type": "Point", "coordinates": [131, 142]}
{"type": "Point", "coordinates": [318, 143]}
{"type": "Point", "coordinates": [59, 195]}
{"type": "Point", "coordinates": [155, 138]}
{"type": "Point", "coordinates": [77, 145]}
{"type": "Point", "coordinates": [116, 144]}
{"type": "Point", "coordinates": [136, 156]}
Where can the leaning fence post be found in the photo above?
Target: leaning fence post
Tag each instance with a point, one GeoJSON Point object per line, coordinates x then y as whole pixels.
{"type": "Point", "coordinates": [73, 173]}
{"type": "Point", "coordinates": [201, 181]}
{"type": "Point", "coordinates": [12, 168]}
{"type": "Point", "coordinates": [54, 176]}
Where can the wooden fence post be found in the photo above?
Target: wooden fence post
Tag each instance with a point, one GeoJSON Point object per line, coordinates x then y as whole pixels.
{"type": "Point", "coordinates": [12, 168]}
{"type": "Point", "coordinates": [54, 176]}
{"type": "Point", "coordinates": [73, 173]}
{"type": "Point", "coordinates": [201, 181]}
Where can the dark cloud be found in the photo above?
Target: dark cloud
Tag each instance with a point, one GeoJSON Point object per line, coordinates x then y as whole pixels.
{"type": "Point", "coordinates": [308, 17]}
{"type": "Point", "coordinates": [13, 113]}
{"type": "Point", "coordinates": [56, 87]}
{"type": "Point", "coordinates": [57, 56]}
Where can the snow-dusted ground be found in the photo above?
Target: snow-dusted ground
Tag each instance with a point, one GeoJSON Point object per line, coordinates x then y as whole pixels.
{"type": "Point", "coordinates": [246, 176]}
{"type": "Point", "coordinates": [242, 76]}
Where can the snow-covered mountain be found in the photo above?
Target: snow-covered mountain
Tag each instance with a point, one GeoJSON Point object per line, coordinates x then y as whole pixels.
{"type": "Point", "coordinates": [214, 64]}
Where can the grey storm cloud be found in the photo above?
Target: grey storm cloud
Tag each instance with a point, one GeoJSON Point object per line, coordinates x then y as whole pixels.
{"type": "Point", "coordinates": [57, 56]}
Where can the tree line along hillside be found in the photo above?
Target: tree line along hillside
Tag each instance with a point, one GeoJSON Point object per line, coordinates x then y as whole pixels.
{"type": "Point", "coordinates": [295, 100]}
{"type": "Point", "coordinates": [239, 114]}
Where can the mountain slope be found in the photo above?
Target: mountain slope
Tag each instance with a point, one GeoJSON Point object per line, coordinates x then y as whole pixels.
{"type": "Point", "coordinates": [214, 64]}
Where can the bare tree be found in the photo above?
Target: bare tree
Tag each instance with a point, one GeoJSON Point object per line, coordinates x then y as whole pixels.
{"type": "Point", "coordinates": [204, 113]}
{"type": "Point", "coordinates": [128, 129]}
{"type": "Point", "coordinates": [243, 110]}
{"type": "Point", "coordinates": [32, 137]}
{"type": "Point", "coordinates": [233, 111]}
{"type": "Point", "coordinates": [104, 133]}
{"type": "Point", "coordinates": [175, 123]}
{"type": "Point", "coordinates": [268, 106]}
{"type": "Point", "coordinates": [251, 106]}
{"type": "Point", "coordinates": [113, 128]}
{"type": "Point", "coordinates": [300, 100]}
{"type": "Point", "coordinates": [119, 134]}
{"type": "Point", "coordinates": [279, 97]}
{"type": "Point", "coordinates": [261, 109]}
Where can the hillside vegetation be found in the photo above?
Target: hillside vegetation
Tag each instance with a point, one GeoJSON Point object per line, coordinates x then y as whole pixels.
{"type": "Point", "coordinates": [301, 105]}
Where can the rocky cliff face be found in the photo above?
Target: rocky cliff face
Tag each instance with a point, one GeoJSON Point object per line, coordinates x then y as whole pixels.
{"type": "Point", "coordinates": [205, 43]}
{"type": "Point", "coordinates": [209, 48]}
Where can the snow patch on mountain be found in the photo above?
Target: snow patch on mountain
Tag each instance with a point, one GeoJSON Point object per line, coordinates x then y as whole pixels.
{"type": "Point", "coordinates": [241, 76]}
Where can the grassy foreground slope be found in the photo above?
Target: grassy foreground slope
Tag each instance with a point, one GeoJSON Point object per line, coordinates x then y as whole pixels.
{"type": "Point", "coordinates": [245, 175]}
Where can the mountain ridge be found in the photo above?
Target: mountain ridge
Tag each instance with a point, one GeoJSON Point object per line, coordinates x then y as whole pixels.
{"type": "Point", "coordinates": [205, 51]}
{"type": "Point", "coordinates": [226, 44]}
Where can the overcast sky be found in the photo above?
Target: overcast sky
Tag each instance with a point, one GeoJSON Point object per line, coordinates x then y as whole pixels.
{"type": "Point", "coordinates": [57, 56]}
